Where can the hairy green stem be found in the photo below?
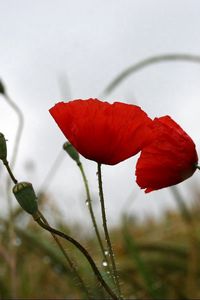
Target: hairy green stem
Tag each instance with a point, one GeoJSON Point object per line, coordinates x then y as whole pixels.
{"type": "Point", "coordinates": [89, 201]}
{"type": "Point", "coordinates": [84, 252]}
{"type": "Point", "coordinates": [54, 236]}
{"type": "Point", "coordinates": [71, 264]}
{"type": "Point", "coordinates": [107, 237]}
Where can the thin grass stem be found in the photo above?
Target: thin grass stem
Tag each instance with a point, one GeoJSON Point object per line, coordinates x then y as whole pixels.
{"type": "Point", "coordinates": [84, 252]}
{"type": "Point", "coordinates": [51, 172]}
{"type": "Point", "coordinates": [55, 238]}
{"type": "Point", "coordinates": [70, 262]}
{"type": "Point", "coordinates": [148, 62]}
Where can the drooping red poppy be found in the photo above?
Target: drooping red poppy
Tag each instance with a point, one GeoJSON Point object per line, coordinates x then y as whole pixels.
{"type": "Point", "coordinates": [169, 159]}
{"type": "Point", "coordinates": [103, 132]}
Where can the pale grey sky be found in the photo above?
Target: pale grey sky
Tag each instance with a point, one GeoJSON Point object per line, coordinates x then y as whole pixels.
{"type": "Point", "coordinates": [89, 42]}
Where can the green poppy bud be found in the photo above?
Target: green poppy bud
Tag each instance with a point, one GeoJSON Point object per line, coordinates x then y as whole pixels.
{"type": "Point", "coordinates": [25, 195]}
{"type": "Point", "coordinates": [2, 88]}
{"type": "Point", "coordinates": [3, 148]}
{"type": "Point", "coordinates": [73, 153]}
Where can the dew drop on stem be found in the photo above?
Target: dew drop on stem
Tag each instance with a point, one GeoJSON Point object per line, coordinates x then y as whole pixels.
{"type": "Point", "coordinates": [106, 252]}
{"type": "Point", "coordinates": [104, 263]}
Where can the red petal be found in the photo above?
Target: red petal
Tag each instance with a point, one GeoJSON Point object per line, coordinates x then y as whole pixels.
{"type": "Point", "coordinates": [169, 159]}
{"type": "Point", "coordinates": [103, 132]}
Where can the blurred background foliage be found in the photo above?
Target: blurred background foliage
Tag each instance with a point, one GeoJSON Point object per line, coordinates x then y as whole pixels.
{"type": "Point", "coordinates": [158, 259]}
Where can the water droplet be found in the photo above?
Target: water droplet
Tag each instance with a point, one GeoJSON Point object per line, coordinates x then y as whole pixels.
{"type": "Point", "coordinates": [104, 263]}
{"type": "Point", "coordinates": [87, 202]}
{"type": "Point", "coordinates": [106, 252]}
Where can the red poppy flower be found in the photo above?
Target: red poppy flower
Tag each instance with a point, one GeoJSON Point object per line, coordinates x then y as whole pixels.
{"type": "Point", "coordinates": [103, 132]}
{"type": "Point", "coordinates": [169, 159]}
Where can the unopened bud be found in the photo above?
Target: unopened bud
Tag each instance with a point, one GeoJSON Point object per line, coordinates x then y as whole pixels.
{"type": "Point", "coordinates": [25, 195]}
{"type": "Point", "coordinates": [71, 151]}
{"type": "Point", "coordinates": [3, 147]}
{"type": "Point", "coordinates": [2, 88]}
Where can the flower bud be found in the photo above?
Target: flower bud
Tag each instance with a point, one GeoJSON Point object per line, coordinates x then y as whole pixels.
{"type": "Point", "coordinates": [2, 88]}
{"type": "Point", "coordinates": [73, 153]}
{"type": "Point", "coordinates": [3, 148]}
{"type": "Point", "coordinates": [25, 195]}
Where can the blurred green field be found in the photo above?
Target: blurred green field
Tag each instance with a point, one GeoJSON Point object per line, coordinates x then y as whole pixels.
{"type": "Point", "coordinates": [158, 259]}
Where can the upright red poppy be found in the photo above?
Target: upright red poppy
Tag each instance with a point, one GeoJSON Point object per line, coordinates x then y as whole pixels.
{"type": "Point", "coordinates": [169, 159]}
{"type": "Point", "coordinates": [103, 132]}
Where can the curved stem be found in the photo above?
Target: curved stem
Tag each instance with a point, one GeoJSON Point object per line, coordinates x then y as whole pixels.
{"type": "Point", "coordinates": [51, 173]}
{"type": "Point", "coordinates": [11, 232]}
{"type": "Point", "coordinates": [107, 237]}
{"type": "Point", "coordinates": [19, 129]}
{"type": "Point", "coordinates": [55, 238]}
{"type": "Point", "coordinates": [147, 62]}
{"type": "Point", "coordinates": [89, 201]}
{"type": "Point", "coordinates": [6, 164]}
{"type": "Point", "coordinates": [84, 252]}
{"type": "Point", "coordinates": [82, 284]}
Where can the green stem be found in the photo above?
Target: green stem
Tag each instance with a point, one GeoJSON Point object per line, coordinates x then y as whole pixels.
{"type": "Point", "coordinates": [51, 172]}
{"type": "Point", "coordinates": [148, 62]}
{"type": "Point", "coordinates": [6, 164]}
{"type": "Point", "coordinates": [11, 233]}
{"type": "Point", "coordinates": [89, 201]}
{"type": "Point", "coordinates": [198, 167]}
{"type": "Point", "coordinates": [181, 204]}
{"type": "Point", "coordinates": [82, 284]}
{"type": "Point", "coordinates": [54, 236]}
{"type": "Point", "coordinates": [19, 129]}
{"type": "Point", "coordinates": [107, 237]}
{"type": "Point", "coordinates": [84, 252]}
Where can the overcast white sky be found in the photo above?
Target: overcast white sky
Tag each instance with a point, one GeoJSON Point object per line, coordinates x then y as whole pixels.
{"type": "Point", "coordinates": [53, 50]}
